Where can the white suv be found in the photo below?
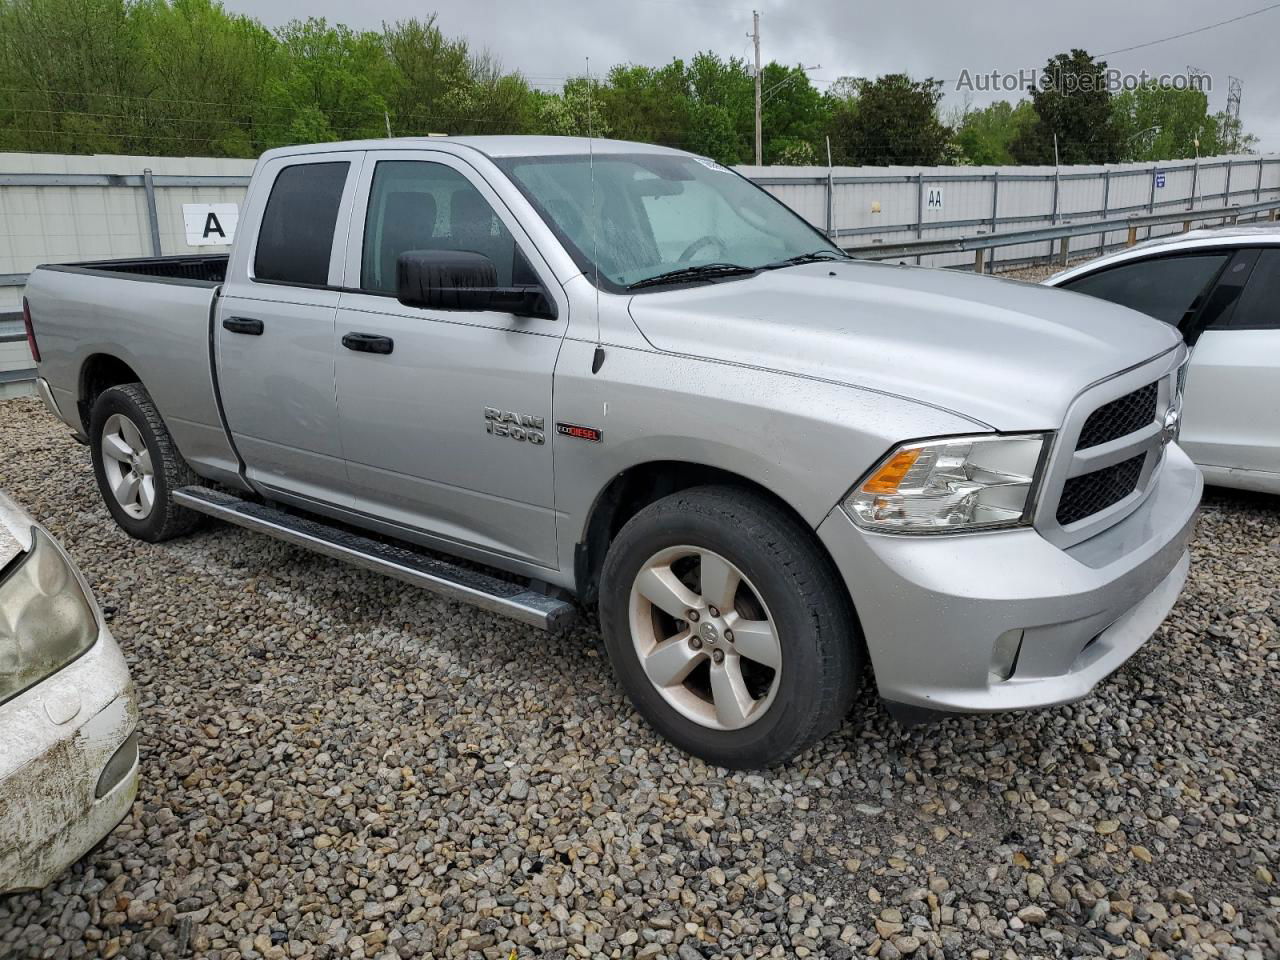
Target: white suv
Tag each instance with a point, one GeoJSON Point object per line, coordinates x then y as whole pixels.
{"type": "Point", "coordinates": [1221, 288]}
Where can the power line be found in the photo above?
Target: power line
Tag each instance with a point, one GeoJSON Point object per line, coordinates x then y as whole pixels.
{"type": "Point", "coordinates": [1188, 33]}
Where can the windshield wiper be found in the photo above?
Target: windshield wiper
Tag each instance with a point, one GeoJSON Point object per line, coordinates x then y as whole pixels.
{"type": "Point", "coordinates": [701, 271]}
{"type": "Point", "coordinates": [817, 256]}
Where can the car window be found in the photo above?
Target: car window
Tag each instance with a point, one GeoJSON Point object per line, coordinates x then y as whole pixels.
{"type": "Point", "coordinates": [1221, 303]}
{"type": "Point", "coordinates": [420, 205]}
{"type": "Point", "coordinates": [637, 216]}
{"type": "Point", "coordinates": [1167, 288]}
{"type": "Point", "coordinates": [1258, 307]}
{"type": "Point", "coordinates": [296, 237]}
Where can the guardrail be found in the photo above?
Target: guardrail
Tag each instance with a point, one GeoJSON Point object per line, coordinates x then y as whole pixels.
{"type": "Point", "coordinates": [981, 243]}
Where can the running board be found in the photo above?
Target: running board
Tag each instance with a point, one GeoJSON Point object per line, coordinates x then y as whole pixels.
{"type": "Point", "coordinates": [420, 569]}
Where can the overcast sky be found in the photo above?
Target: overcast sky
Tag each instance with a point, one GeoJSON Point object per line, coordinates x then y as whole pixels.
{"type": "Point", "coordinates": [548, 40]}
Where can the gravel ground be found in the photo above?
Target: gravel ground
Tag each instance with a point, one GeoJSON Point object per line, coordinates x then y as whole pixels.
{"type": "Point", "coordinates": [336, 765]}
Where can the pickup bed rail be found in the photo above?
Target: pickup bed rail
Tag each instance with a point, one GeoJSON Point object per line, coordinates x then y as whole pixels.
{"type": "Point", "coordinates": [205, 270]}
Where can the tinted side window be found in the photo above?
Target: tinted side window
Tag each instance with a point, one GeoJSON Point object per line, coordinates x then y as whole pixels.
{"type": "Point", "coordinates": [1166, 288]}
{"type": "Point", "coordinates": [296, 236]}
{"type": "Point", "coordinates": [1259, 305]}
{"type": "Point", "coordinates": [419, 205]}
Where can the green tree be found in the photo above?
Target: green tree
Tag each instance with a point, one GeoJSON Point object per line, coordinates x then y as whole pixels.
{"type": "Point", "coordinates": [1072, 102]}
{"type": "Point", "coordinates": [331, 85]}
{"type": "Point", "coordinates": [794, 117]}
{"type": "Point", "coordinates": [649, 104]}
{"type": "Point", "coordinates": [573, 112]}
{"type": "Point", "coordinates": [235, 58]}
{"type": "Point", "coordinates": [1157, 122]}
{"type": "Point", "coordinates": [1232, 136]}
{"type": "Point", "coordinates": [68, 76]}
{"type": "Point", "coordinates": [721, 109]}
{"type": "Point", "coordinates": [983, 136]}
{"type": "Point", "coordinates": [427, 70]}
{"type": "Point", "coordinates": [437, 85]}
{"type": "Point", "coordinates": [890, 120]}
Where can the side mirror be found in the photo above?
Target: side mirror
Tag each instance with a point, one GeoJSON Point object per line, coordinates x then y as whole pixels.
{"type": "Point", "coordinates": [445, 279]}
{"type": "Point", "coordinates": [463, 280]}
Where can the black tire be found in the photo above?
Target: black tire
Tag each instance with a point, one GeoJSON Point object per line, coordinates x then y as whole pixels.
{"type": "Point", "coordinates": [821, 648]}
{"type": "Point", "coordinates": [170, 471]}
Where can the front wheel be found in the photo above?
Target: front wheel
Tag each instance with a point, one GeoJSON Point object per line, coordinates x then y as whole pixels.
{"type": "Point", "coordinates": [137, 465]}
{"type": "Point", "coordinates": [728, 628]}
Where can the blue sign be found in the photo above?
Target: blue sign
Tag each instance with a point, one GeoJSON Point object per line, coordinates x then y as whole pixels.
{"type": "Point", "coordinates": [1159, 181]}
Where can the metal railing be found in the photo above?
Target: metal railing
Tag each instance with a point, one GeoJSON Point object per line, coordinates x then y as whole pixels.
{"type": "Point", "coordinates": [918, 181]}
{"type": "Point", "coordinates": [981, 243]}
{"type": "Point", "coordinates": [922, 179]}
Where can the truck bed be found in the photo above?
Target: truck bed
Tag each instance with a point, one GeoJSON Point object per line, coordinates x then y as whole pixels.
{"type": "Point", "coordinates": [198, 269]}
{"type": "Point", "coordinates": [153, 315]}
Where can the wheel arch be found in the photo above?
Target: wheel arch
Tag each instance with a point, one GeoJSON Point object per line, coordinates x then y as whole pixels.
{"type": "Point", "coordinates": [641, 484]}
{"type": "Point", "coordinates": [99, 372]}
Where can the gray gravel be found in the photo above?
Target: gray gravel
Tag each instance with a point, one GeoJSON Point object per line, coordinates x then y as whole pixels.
{"type": "Point", "coordinates": [336, 765]}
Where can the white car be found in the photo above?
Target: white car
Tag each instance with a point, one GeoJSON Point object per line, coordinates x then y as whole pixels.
{"type": "Point", "coordinates": [1221, 288]}
{"type": "Point", "coordinates": [68, 712]}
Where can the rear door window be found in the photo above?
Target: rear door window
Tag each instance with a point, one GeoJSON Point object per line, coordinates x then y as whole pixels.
{"type": "Point", "coordinates": [1171, 289]}
{"type": "Point", "coordinates": [295, 240]}
{"type": "Point", "coordinates": [1258, 307]}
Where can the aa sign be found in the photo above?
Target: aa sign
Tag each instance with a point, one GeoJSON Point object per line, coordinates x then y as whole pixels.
{"type": "Point", "coordinates": [210, 224]}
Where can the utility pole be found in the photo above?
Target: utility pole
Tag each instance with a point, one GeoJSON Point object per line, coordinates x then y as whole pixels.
{"type": "Point", "coordinates": [755, 36]}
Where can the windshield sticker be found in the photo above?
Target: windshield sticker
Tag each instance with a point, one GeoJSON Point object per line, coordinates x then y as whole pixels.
{"type": "Point", "coordinates": [712, 165]}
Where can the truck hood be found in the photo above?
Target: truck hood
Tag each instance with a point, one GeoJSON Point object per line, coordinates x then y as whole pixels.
{"type": "Point", "coordinates": [1007, 354]}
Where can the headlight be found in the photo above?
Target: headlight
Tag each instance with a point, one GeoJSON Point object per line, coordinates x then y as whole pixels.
{"type": "Point", "coordinates": [46, 620]}
{"type": "Point", "coordinates": [950, 486]}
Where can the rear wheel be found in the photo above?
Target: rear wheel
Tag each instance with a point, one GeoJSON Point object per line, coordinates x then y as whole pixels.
{"type": "Point", "coordinates": [727, 627]}
{"type": "Point", "coordinates": [137, 465]}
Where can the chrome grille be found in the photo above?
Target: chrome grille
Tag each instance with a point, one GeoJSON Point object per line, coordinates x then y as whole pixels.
{"type": "Point", "coordinates": [1119, 418]}
{"type": "Point", "coordinates": [1108, 452]}
{"type": "Point", "coordinates": [1089, 493]}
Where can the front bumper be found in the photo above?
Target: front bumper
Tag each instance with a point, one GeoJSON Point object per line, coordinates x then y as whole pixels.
{"type": "Point", "coordinates": [66, 740]}
{"type": "Point", "coordinates": [934, 608]}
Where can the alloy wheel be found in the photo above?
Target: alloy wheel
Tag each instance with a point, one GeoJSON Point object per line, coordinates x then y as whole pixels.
{"type": "Point", "coordinates": [705, 638]}
{"type": "Point", "coordinates": [126, 461]}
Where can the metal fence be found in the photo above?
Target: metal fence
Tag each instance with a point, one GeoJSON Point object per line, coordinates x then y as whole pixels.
{"type": "Point", "coordinates": [861, 206]}
{"type": "Point", "coordinates": [67, 208]}
{"type": "Point", "coordinates": [984, 246]}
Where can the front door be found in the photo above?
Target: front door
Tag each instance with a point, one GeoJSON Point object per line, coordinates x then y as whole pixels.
{"type": "Point", "coordinates": [449, 432]}
{"type": "Point", "coordinates": [274, 330]}
{"type": "Point", "coordinates": [1231, 416]}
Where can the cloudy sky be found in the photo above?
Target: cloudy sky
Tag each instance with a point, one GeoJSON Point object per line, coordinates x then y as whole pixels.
{"type": "Point", "coordinates": [548, 39]}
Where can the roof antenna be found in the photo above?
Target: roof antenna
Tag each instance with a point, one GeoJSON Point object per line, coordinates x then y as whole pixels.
{"type": "Point", "coordinates": [597, 360]}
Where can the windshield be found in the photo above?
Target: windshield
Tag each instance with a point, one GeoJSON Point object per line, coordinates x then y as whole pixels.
{"type": "Point", "coordinates": [659, 213]}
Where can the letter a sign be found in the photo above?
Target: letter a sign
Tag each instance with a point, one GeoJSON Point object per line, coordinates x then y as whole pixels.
{"type": "Point", "coordinates": [210, 224]}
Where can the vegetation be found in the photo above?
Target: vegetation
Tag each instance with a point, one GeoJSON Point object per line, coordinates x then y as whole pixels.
{"type": "Point", "coordinates": [186, 77]}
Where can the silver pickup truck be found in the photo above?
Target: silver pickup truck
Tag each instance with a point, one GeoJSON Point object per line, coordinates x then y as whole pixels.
{"type": "Point", "coordinates": [527, 371]}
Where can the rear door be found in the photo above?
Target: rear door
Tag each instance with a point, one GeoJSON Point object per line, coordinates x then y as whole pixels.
{"type": "Point", "coordinates": [274, 331]}
{"type": "Point", "coordinates": [1231, 413]}
{"type": "Point", "coordinates": [448, 433]}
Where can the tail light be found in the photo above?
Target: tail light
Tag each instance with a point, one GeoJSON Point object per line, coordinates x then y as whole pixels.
{"type": "Point", "coordinates": [31, 331]}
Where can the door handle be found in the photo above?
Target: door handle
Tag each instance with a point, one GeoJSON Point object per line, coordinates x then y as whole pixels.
{"type": "Point", "coordinates": [368, 343]}
{"type": "Point", "coordinates": [243, 325]}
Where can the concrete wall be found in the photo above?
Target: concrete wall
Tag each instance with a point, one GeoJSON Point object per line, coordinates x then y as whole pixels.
{"type": "Point", "coordinates": [51, 223]}
{"type": "Point", "coordinates": [75, 219]}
